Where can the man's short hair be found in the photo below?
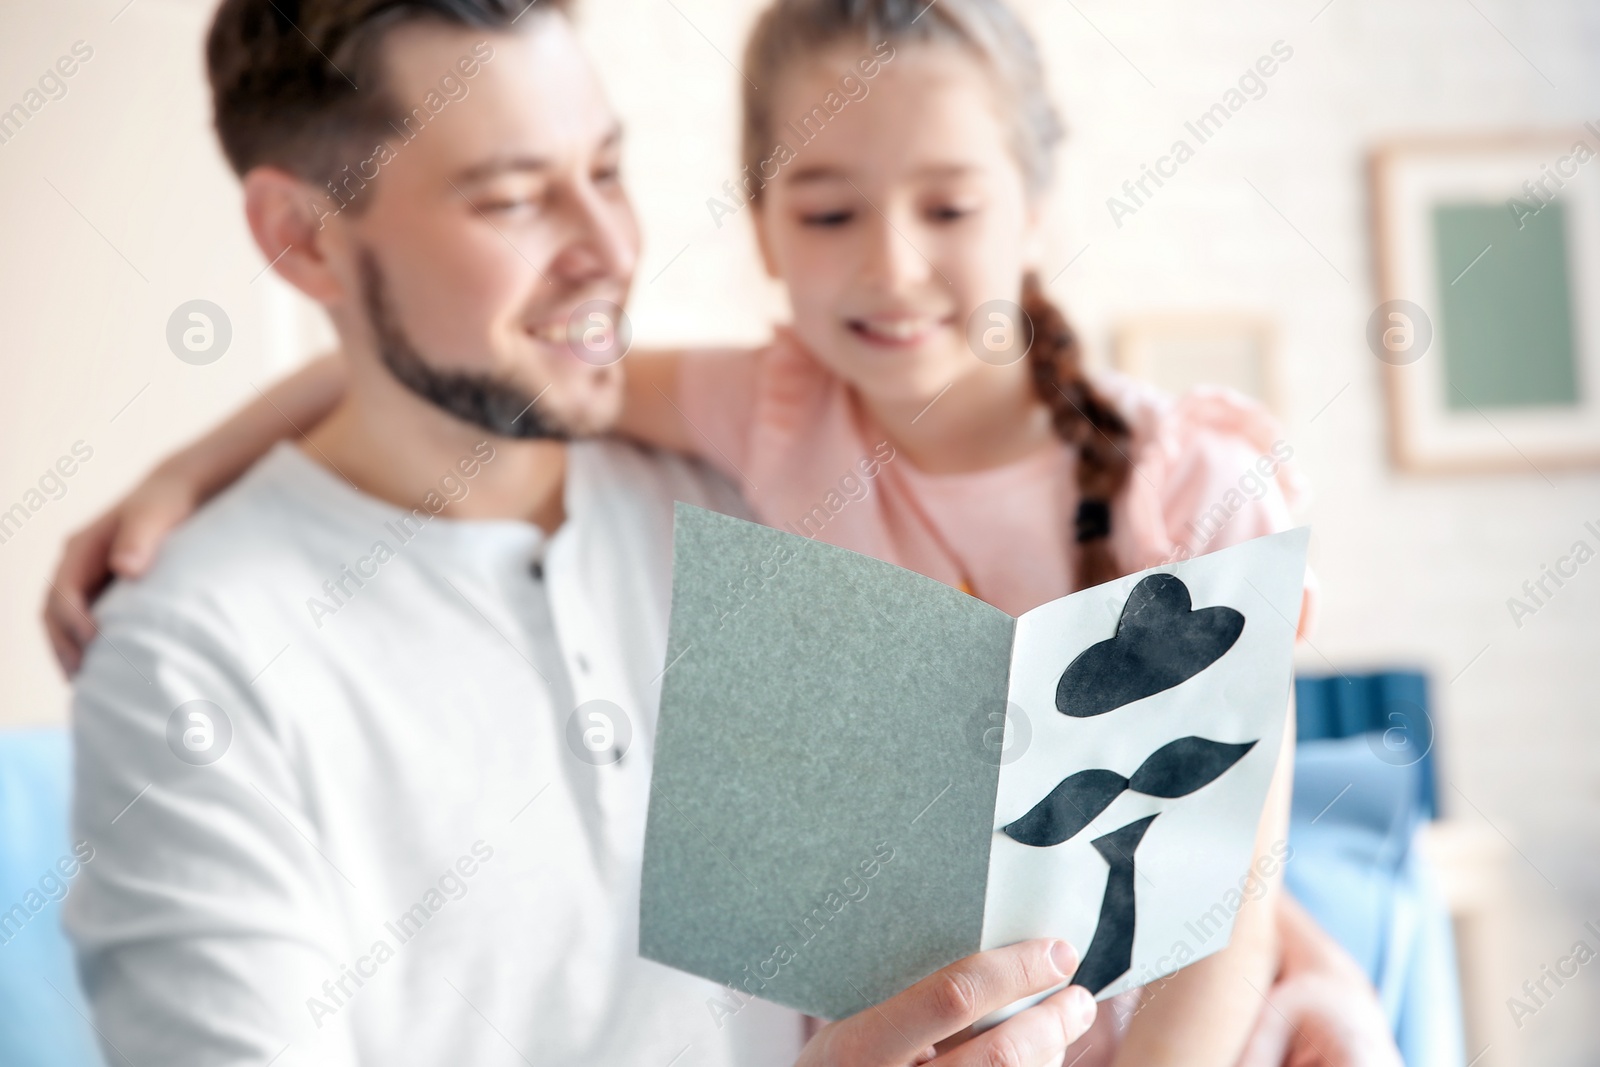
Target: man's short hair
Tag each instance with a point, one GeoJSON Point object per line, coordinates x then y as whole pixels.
{"type": "Point", "coordinates": [299, 84]}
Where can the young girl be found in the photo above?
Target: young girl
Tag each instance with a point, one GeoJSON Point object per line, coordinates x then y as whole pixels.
{"type": "Point", "coordinates": [927, 404]}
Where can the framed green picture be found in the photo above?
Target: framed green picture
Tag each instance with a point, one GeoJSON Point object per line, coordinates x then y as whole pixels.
{"type": "Point", "coordinates": [1488, 257]}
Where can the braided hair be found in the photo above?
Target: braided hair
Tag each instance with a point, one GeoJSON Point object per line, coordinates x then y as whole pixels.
{"type": "Point", "coordinates": [1087, 421]}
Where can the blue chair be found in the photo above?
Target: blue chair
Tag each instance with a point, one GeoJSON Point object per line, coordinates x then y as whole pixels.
{"type": "Point", "coordinates": [43, 1018]}
{"type": "Point", "coordinates": [1364, 783]}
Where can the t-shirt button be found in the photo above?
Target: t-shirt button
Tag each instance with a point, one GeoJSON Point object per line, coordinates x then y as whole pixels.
{"type": "Point", "coordinates": [536, 568]}
{"type": "Point", "coordinates": [583, 664]}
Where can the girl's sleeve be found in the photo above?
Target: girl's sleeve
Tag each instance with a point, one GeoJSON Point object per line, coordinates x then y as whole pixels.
{"type": "Point", "coordinates": [718, 393]}
{"type": "Point", "coordinates": [1231, 476]}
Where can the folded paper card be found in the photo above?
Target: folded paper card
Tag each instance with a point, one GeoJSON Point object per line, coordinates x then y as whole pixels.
{"type": "Point", "coordinates": [862, 774]}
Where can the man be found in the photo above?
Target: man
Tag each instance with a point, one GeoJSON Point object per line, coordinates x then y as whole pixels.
{"type": "Point", "coordinates": [336, 752]}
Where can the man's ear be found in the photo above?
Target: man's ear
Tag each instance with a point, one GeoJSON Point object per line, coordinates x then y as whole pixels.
{"type": "Point", "coordinates": [287, 217]}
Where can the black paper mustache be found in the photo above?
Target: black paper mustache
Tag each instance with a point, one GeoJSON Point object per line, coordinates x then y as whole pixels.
{"type": "Point", "coordinates": [1160, 642]}
{"type": "Point", "coordinates": [1176, 769]}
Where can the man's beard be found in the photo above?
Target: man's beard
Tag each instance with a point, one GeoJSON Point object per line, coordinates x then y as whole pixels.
{"type": "Point", "coordinates": [499, 406]}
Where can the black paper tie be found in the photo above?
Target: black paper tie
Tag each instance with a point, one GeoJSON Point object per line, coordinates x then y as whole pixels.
{"type": "Point", "coordinates": [1110, 952]}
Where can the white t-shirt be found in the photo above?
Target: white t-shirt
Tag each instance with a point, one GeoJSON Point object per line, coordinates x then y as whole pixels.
{"type": "Point", "coordinates": [408, 852]}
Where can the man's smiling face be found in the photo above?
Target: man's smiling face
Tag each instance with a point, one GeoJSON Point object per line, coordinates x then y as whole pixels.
{"type": "Point", "coordinates": [486, 233]}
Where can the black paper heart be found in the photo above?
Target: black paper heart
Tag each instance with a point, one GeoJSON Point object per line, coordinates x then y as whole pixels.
{"type": "Point", "coordinates": [1176, 769]}
{"type": "Point", "coordinates": [1159, 643]}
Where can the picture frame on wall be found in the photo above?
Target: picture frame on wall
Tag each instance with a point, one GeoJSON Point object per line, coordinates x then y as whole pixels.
{"type": "Point", "coordinates": [1487, 252]}
{"type": "Point", "coordinates": [1177, 352]}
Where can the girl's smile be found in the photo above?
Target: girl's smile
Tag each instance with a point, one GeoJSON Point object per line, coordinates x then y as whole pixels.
{"type": "Point", "coordinates": [899, 331]}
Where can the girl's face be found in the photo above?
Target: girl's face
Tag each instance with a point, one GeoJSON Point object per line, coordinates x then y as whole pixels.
{"type": "Point", "coordinates": [897, 220]}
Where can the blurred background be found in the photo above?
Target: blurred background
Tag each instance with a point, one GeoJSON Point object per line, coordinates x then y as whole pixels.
{"type": "Point", "coordinates": [1454, 450]}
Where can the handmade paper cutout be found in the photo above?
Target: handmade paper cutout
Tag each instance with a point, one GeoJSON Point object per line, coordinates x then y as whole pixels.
{"type": "Point", "coordinates": [825, 828]}
{"type": "Point", "coordinates": [1111, 951]}
{"type": "Point", "coordinates": [1068, 808]}
{"type": "Point", "coordinates": [1159, 643]}
{"type": "Point", "coordinates": [1176, 769]}
{"type": "Point", "coordinates": [1179, 767]}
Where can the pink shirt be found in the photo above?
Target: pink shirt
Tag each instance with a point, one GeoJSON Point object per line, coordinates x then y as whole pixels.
{"type": "Point", "coordinates": [1211, 469]}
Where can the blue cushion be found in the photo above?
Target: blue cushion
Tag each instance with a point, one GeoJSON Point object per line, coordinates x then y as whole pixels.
{"type": "Point", "coordinates": [1355, 813]}
{"type": "Point", "coordinates": [1393, 705]}
{"type": "Point", "coordinates": [42, 1012]}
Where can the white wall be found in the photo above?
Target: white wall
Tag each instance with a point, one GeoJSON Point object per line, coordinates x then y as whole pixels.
{"type": "Point", "coordinates": [1416, 570]}
{"type": "Point", "coordinates": [118, 209]}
